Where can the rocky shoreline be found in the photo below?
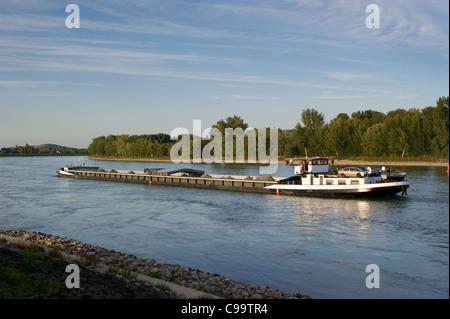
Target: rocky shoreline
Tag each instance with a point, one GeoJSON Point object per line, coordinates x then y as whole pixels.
{"type": "Point", "coordinates": [106, 273]}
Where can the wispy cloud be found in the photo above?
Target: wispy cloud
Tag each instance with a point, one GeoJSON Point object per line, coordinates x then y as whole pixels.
{"type": "Point", "coordinates": [38, 84]}
{"type": "Point", "coordinates": [403, 22]}
{"type": "Point", "coordinates": [30, 22]}
{"type": "Point", "coordinates": [417, 24]}
{"type": "Point", "coordinates": [60, 55]}
{"type": "Point", "coordinates": [339, 97]}
{"type": "Point", "coordinates": [22, 84]}
{"type": "Point", "coordinates": [247, 97]}
{"type": "Point", "coordinates": [349, 76]}
{"type": "Point", "coordinates": [409, 96]}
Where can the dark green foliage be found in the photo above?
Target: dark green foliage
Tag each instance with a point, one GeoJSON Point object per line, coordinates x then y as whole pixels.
{"type": "Point", "coordinates": [401, 133]}
{"type": "Point", "coordinates": [139, 146]}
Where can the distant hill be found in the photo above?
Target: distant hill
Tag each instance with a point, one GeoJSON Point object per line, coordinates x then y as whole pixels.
{"type": "Point", "coordinates": [53, 146]}
{"type": "Point", "coordinates": [43, 149]}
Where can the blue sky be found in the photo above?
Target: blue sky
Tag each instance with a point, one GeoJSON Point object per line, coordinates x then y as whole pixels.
{"type": "Point", "coordinates": [140, 67]}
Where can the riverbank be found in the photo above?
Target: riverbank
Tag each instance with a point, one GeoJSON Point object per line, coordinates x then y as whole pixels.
{"type": "Point", "coordinates": [337, 162]}
{"type": "Point", "coordinates": [345, 162]}
{"type": "Point", "coordinates": [32, 260]}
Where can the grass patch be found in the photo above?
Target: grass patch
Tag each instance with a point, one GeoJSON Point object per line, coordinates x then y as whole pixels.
{"type": "Point", "coordinates": [32, 260]}
{"type": "Point", "coordinates": [29, 246]}
{"type": "Point", "coordinates": [24, 285]}
{"type": "Point", "coordinates": [89, 259]}
{"type": "Point", "coordinates": [154, 274]}
{"type": "Point", "coordinates": [122, 271]}
{"type": "Point", "coordinates": [55, 252]}
{"type": "Point", "coordinates": [112, 269]}
{"type": "Point", "coordinates": [162, 287]}
{"type": "Point", "coordinates": [126, 273]}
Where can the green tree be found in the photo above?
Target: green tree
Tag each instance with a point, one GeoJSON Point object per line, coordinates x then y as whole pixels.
{"type": "Point", "coordinates": [373, 142]}
{"type": "Point", "coordinates": [121, 144]}
{"type": "Point", "coordinates": [309, 137]}
{"type": "Point", "coordinates": [97, 146]}
{"type": "Point", "coordinates": [368, 118]}
{"type": "Point", "coordinates": [230, 122]}
{"type": "Point", "coordinates": [110, 146]}
{"type": "Point", "coordinates": [234, 122]}
{"type": "Point", "coordinates": [343, 137]}
{"type": "Point", "coordinates": [440, 122]}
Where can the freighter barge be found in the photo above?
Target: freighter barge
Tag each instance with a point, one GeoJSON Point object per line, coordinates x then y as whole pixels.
{"type": "Point", "coordinates": [313, 177]}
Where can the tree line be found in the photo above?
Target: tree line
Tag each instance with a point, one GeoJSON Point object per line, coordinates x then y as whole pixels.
{"type": "Point", "coordinates": [399, 133]}
{"type": "Point", "coordinates": [29, 150]}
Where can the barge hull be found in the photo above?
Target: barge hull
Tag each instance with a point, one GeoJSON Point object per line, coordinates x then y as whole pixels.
{"type": "Point", "coordinates": [176, 181]}
{"type": "Point", "coordinates": [386, 191]}
{"type": "Point", "coordinates": [239, 185]}
{"type": "Point", "coordinates": [384, 188]}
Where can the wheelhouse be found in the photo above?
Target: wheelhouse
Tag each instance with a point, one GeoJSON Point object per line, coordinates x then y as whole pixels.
{"type": "Point", "coordinates": [312, 165]}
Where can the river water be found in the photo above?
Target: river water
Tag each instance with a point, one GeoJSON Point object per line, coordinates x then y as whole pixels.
{"type": "Point", "coordinates": [314, 246]}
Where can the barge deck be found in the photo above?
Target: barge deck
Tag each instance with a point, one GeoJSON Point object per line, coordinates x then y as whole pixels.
{"type": "Point", "coordinates": [181, 178]}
